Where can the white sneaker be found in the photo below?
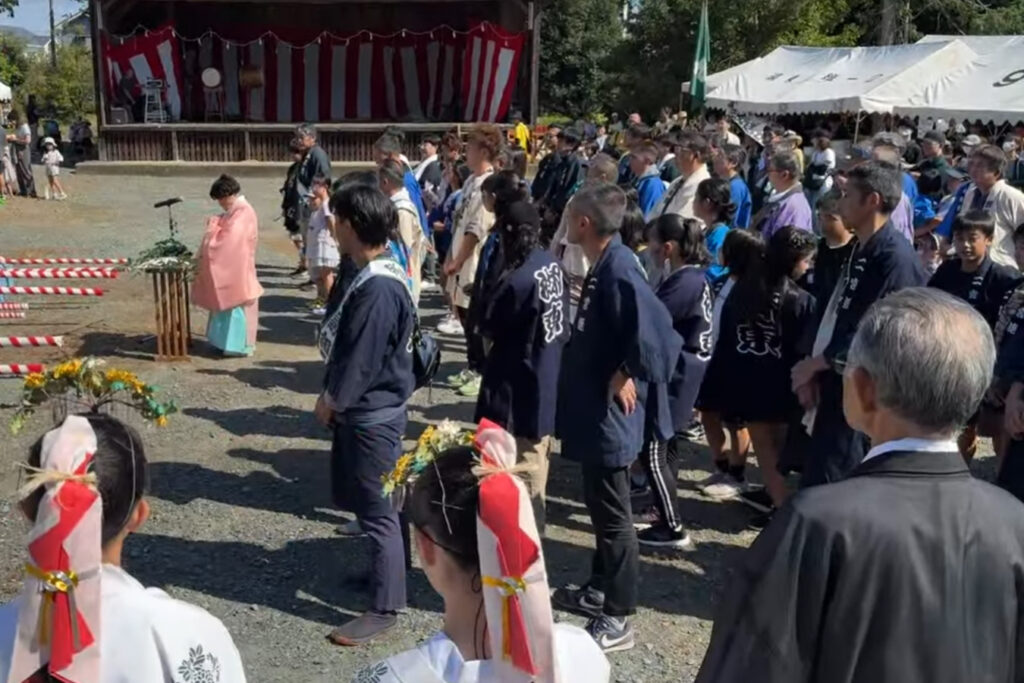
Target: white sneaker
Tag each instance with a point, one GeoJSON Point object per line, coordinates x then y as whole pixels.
{"type": "Point", "coordinates": [450, 326]}
{"type": "Point", "coordinates": [715, 478]}
{"type": "Point", "coordinates": [456, 381]}
{"type": "Point", "coordinates": [727, 489]}
{"type": "Point", "coordinates": [319, 311]}
{"type": "Point", "coordinates": [428, 286]}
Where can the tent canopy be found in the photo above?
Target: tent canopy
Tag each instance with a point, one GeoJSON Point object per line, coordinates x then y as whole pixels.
{"type": "Point", "coordinates": [793, 80]}
{"type": "Point", "coordinates": [981, 45]}
{"type": "Point", "coordinates": [5, 93]}
{"type": "Point", "coordinates": [989, 88]}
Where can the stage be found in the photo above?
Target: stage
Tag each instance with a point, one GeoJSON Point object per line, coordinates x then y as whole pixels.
{"type": "Point", "coordinates": [423, 66]}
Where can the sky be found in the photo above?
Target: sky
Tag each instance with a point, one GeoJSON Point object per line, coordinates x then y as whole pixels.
{"type": "Point", "coordinates": [35, 14]}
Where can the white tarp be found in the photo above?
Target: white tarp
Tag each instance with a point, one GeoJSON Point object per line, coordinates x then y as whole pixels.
{"type": "Point", "coordinates": [5, 93]}
{"type": "Point", "coordinates": [981, 45]}
{"type": "Point", "coordinates": [989, 88]}
{"type": "Point", "coordinates": [834, 80]}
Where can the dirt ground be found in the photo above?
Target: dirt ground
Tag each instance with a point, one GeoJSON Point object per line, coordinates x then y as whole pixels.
{"type": "Point", "coordinates": [242, 522]}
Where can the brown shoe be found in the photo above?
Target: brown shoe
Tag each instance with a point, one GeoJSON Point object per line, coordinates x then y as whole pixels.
{"type": "Point", "coordinates": [363, 629]}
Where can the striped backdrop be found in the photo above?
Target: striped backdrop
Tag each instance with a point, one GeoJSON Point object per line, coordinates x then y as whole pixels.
{"type": "Point", "coordinates": [441, 76]}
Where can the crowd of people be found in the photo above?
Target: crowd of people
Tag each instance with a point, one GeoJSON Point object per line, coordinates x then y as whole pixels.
{"type": "Point", "coordinates": [626, 301]}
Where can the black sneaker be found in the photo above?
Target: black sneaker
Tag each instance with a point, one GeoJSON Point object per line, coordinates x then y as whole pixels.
{"type": "Point", "coordinates": [646, 518]}
{"type": "Point", "coordinates": [586, 601]}
{"type": "Point", "coordinates": [757, 499]}
{"type": "Point", "coordinates": [661, 536]}
{"type": "Point", "coordinates": [299, 270]}
{"type": "Point", "coordinates": [612, 634]}
{"type": "Point", "coordinates": [694, 431]}
{"type": "Point", "coordinates": [761, 521]}
{"type": "Point", "coordinates": [307, 285]}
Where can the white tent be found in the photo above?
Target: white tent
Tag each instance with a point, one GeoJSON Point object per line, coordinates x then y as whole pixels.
{"type": "Point", "coordinates": [989, 88]}
{"type": "Point", "coordinates": [981, 45]}
{"type": "Point", "coordinates": [5, 93]}
{"type": "Point", "coordinates": [798, 80]}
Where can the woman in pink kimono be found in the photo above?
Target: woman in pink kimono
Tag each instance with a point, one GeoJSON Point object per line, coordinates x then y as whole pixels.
{"type": "Point", "coordinates": [226, 283]}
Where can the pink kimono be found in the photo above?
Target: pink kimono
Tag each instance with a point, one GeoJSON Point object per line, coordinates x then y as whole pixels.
{"type": "Point", "coordinates": [226, 283]}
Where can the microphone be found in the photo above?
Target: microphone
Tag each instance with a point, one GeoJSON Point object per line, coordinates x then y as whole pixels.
{"type": "Point", "coordinates": [168, 202]}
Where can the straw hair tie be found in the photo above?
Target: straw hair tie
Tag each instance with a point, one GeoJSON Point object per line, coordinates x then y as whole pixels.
{"type": "Point", "coordinates": [41, 477]}
{"type": "Point", "coordinates": [485, 469]}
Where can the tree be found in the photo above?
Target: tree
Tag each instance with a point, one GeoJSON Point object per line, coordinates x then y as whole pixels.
{"type": "Point", "coordinates": [577, 39]}
{"type": "Point", "coordinates": [69, 87]}
{"type": "Point", "coordinates": [13, 61]}
{"type": "Point", "coordinates": [8, 6]}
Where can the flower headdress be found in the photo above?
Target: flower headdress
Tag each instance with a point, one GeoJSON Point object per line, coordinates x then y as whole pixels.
{"type": "Point", "coordinates": [84, 382]}
{"type": "Point", "coordinates": [520, 625]}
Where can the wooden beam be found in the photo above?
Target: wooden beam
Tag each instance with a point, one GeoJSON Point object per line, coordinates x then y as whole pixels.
{"type": "Point", "coordinates": [95, 21]}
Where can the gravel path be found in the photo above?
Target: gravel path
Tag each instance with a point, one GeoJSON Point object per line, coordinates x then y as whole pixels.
{"type": "Point", "coordinates": [242, 522]}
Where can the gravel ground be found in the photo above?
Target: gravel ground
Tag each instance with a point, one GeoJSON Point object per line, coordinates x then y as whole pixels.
{"type": "Point", "coordinates": [242, 522]}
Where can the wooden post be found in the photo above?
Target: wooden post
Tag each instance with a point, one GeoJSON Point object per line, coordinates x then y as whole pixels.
{"type": "Point", "coordinates": [248, 146]}
{"type": "Point", "coordinates": [95, 23]}
{"type": "Point", "coordinates": [173, 318]}
{"type": "Point", "coordinates": [175, 151]}
{"type": "Point", "coordinates": [536, 16]}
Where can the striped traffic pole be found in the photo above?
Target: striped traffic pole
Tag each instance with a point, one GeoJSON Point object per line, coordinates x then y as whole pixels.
{"type": "Point", "coordinates": [40, 273]}
{"type": "Point", "coordinates": [58, 261]}
{"type": "Point", "coordinates": [72, 291]}
{"type": "Point", "coordinates": [18, 342]}
{"type": "Point", "coordinates": [20, 368]}
{"type": "Point", "coordinates": [11, 315]}
{"type": "Point", "coordinates": [12, 306]}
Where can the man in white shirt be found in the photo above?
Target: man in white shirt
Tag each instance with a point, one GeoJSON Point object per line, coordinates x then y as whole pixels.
{"type": "Point", "coordinates": [992, 193]}
{"type": "Point", "coordinates": [691, 159]}
{"type": "Point", "coordinates": [724, 131]}
{"type": "Point", "coordinates": [910, 569]}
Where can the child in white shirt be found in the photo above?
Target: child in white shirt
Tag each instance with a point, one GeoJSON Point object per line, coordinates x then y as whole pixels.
{"type": "Point", "coordinates": [52, 159]}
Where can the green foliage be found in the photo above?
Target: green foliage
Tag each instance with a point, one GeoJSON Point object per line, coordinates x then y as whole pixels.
{"type": "Point", "coordinates": [7, 6]}
{"type": "Point", "coordinates": [69, 87]}
{"type": "Point", "coordinates": [13, 62]}
{"type": "Point", "coordinates": [577, 39]}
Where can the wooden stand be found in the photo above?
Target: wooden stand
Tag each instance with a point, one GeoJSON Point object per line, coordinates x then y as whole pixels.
{"type": "Point", "coordinates": [173, 317]}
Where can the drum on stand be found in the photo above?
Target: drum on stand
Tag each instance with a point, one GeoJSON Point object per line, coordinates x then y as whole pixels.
{"type": "Point", "coordinates": [211, 78]}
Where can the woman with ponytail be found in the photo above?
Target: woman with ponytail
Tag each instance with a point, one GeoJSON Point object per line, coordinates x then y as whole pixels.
{"type": "Point", "coordinates": [80, 617]}
{"type": "Point", "coordinates": [478, 545]}
{"type": "Point", "coordinates": [524, 326]}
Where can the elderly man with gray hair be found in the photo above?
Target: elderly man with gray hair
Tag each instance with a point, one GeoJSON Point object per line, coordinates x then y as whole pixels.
{"type": "Point", "coordinates": [787, 204]}
{"type": "Point", "coordinates": [910, 570]}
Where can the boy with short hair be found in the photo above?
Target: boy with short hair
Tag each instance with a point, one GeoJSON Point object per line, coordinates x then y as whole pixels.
{"type": "Point", "coordinates": [984, 284]}
{"type": "Point", "coordinates": [834, 248]}
{"type": "Point", "coordinates": [973, 276]}
{"type": "Point", "coordinates": [643, 162]}
{"type": "Point", "coordinates": [727, 163]}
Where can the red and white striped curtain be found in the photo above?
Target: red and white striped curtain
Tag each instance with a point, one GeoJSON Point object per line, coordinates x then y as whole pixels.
{"type": "Point", "coordinates": [438, 76]}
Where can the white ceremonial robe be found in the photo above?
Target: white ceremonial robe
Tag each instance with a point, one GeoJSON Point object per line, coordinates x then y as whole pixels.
{"type": "Point", "coordinates": [437, 660]}
{"type": "Point", "coordinates": [146, 635]}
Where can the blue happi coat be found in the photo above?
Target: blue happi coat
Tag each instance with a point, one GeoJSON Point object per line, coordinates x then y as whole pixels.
{"type": "Point", "coordinates": [620, 325]}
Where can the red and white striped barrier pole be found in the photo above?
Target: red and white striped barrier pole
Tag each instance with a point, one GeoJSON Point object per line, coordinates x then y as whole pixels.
{"type": "Point", "coordinates": [20, 368]}
{"type": "Point", "coordinates": [40, 273]}
{"type": "Point", "coordinates": [61, 261]}
{"type": "Point", "coordinates": [70, 291]}
{"type": "Point", "coordinates": [19, 342]}
{"type": "Point", "coordinates": [9, 315]}
{"type": "Point", "coordinates": [12, 306]}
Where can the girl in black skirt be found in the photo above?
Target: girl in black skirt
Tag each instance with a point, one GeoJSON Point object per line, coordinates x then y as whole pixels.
{"type": "Point", "coordinates": [757, 345]}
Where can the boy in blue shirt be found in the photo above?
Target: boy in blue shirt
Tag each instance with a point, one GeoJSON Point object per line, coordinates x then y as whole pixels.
{"type": "Point", "coordinates": [727, 162]}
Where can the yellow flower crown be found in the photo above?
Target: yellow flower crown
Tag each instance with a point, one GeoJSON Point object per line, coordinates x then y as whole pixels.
{"type": "Point", "coordinates": [91, 385]}
{"type": "Point", "coordinates": [432, 442]}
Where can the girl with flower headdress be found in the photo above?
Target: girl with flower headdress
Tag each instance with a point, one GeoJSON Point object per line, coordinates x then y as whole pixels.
{"type": "Point", "coordinates": [81, 618]}
{"type": "Point", "coordinates": [478, 545]}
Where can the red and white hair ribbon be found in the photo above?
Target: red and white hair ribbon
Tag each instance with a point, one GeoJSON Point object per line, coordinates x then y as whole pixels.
{"type": "Point", "coordinates": [520, 624]}
{"type": "Point", "coordinates": [59, 612]}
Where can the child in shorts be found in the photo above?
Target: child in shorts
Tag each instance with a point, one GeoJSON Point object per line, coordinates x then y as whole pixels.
{"type": "Point", "coordinates": [322, 254]}
{"type": "Point", "coordinates": [52, 159]}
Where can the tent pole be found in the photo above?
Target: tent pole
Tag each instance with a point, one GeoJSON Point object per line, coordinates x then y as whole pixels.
{"type": "Point", "coordinates": [856, 129]}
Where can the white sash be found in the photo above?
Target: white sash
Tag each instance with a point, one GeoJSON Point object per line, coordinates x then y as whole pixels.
{"type": "Point", "coordinates": [385, 267]}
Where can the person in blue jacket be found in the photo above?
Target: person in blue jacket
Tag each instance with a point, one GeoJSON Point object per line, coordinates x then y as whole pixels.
{"type": "Point", "coordinates": [643, 161]}
{"type": "Point", "coordinates": [714, 205]}
{"type": "Point", "coordinates": [677, 246]}
{"type": "Point", "coordinates": [727, 164]}
{"type": "Point", "coordinates": [526, 326]}
{"type": "Point", "coordinates": [368, 379]}
{"type": "Point", "coordinates": [622, 342]}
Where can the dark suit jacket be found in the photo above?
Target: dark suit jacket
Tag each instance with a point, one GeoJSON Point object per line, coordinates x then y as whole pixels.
{"type": "Point", "coordinates": [909, 571]}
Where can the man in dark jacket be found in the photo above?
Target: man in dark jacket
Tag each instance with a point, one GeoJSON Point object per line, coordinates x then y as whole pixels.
{"type": "Point", "coordinates": [910, 570]}
{"type": "Point", "coordinates": [882, 262]}
{"type": "Point", "coordinates": [622, 340]}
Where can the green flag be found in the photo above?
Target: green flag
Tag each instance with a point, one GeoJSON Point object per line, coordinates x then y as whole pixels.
{"type": "Point", "coordinates": [701, 55]}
